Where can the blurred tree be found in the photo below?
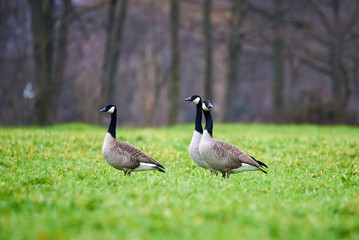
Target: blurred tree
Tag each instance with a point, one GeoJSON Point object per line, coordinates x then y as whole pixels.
{"type": "Point", "coordinates": [278, 57]}
{"type": "Point", "coordinates": [14, 52]}
{"type": "Point", "coordinates": [207, 36]}
{"type": "Point", "coordinates": [61, 51]}
{"type": "Point", "coordinates": [174, 68]}
{"type": "Point", "coordinates": [238, 14]}
{"type": "Point", "coordinates": [114, 35]}
{"type": "Point", "coordinates": [321, 34]}
{"type": "Point", "coordinates": [332, 40]}
{"type": "Point", "coordinates": [275, 16]}
{"type": "Point", "coordinates": [42, 25]}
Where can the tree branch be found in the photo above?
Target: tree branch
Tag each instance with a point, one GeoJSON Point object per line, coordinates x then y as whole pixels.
{"type": "Point", "coordinates": [315, 66]}
{"type": "Point", "coordinates": [321, 16]}
{"type": "Point", "coordinates": [76, 15]}
{"type": "Point", "coordinates": [354, 19]}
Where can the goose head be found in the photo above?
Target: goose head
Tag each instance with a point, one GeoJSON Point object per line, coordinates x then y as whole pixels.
{"type": "Point", "coordinates": [194, 98]}
{"type": "Point", "coordinates": [109, 108]}
{"type": "Point", "coordinates": [207, 105]}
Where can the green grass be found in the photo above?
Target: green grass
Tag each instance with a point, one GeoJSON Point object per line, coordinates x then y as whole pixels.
{"type": "Point", "coordinates": [55, 184]}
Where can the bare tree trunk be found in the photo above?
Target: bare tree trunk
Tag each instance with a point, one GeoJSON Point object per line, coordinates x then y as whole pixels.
{"type": "Point", "coordinates": [207, 36]}
{"type": "Point", "coordinates": [61, 56]}
{"type": "Point", "coordinates": [338, 30]}
{"type": "Point", "coordinates": [114, 32]}
{"type": "Point", "coordinates": [294, 71]}
{"type": "Point", "coordinates": [175, 75]}
{"type": "Point", "coordinates": [340, 86]}
{"type": "Point", "coordinates": [238, 11]}
{"type": "Point", "coordinates": [109, 40]}
{"type": "Point", "coordinates": [278, 58]}
{"type": "Point", "coordinates": [42, 24]}
{"type": "Point", "coordinates": [335, 56]}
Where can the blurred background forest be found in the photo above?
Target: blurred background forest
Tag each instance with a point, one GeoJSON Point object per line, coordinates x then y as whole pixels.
{"type": "Point", "coordinates": [273, 61]}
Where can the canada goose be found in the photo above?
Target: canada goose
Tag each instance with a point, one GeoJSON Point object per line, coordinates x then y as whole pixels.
{"type": "Point", "coordinates": [222, 156]}
{"type": "Point", "coordinates": [197, 134]}
{"type": "Point", "coordinates": [124, 156]}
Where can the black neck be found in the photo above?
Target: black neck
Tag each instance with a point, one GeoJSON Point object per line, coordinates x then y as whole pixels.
{"type": "Point", "coordinates": [112, 128]}
{"type": "Point", "coordinates": [209, 122]}
{"type": "Point", "coordinates": [198, 122]}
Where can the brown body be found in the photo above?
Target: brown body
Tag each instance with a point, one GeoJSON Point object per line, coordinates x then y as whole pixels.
{"type": "Point", "coordinates": [124, 156]}
{"type": "Point", "coordinates": [222, 156]}
{"type": "Point", "coordinates": [225, 157]}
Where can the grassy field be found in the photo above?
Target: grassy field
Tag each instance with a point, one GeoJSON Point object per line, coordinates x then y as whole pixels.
{"type": "Point", "coordinates": [55, 184]}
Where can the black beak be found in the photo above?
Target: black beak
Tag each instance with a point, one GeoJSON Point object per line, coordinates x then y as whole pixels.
{"type": "Point", "coordinates": [188, 99]}
{"type": "Point", "coordinates": [210, 105]}
{"type": "Point", "coordinates": [103, 109]}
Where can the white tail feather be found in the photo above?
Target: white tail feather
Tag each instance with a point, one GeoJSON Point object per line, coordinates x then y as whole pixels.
{"type": "Point", "coordinates": [145, 167]}
{"type": "Point", "coordinates": [246, 167]}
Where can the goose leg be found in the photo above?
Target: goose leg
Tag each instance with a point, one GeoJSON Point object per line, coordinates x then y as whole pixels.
{"type": "Point", "coordinates": [228, 175]}
{"type": "Point", "coordinates": [213, 172]}
{"type": "Point", "coordinates": [127, 172]}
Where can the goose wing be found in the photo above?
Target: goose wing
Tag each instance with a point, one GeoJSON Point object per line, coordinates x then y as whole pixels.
{"type": "Point", "coordinates": [235, 155]}
{"type": "Point", "coordinates": [136, 155]}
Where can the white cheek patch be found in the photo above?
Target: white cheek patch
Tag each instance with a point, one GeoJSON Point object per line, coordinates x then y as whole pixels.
{"type": "Point", "coordinates": [196, 101]}
{"type": "Point", "coordinates": [204, 107]}
{"type": "Point", "coordinates": [111, 110]}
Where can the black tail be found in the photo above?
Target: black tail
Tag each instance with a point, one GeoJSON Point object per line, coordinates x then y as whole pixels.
{"type": "Point", "coordinates": [263, 170]}
{"type": "Point", "coordinates": [260, 164]}
{"type": "Point", "coordinates": [160, 169]}
{"type": "Point", "coordinates": [159, 165]}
